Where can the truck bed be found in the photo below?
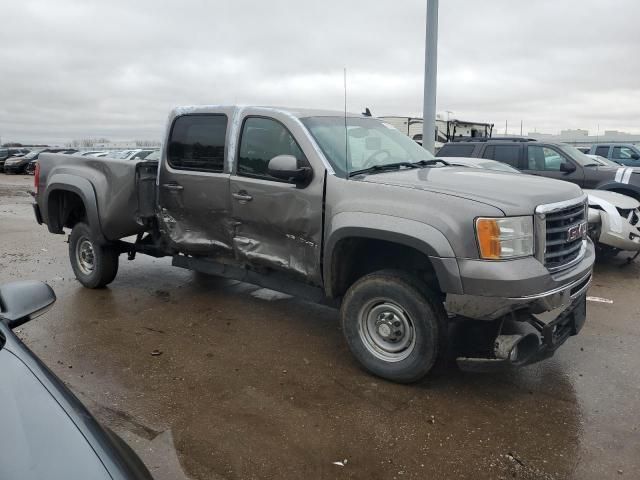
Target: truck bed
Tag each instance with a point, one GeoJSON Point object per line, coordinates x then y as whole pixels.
{"type": "Point", "coordinates": [119, 189]}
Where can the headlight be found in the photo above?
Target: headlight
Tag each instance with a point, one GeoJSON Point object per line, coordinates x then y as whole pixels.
{"type": "Point", "coordinates": [508, 237]}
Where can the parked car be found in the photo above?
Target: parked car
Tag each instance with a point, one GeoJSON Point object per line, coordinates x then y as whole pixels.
{"type": "Point", "coordinates": [360, 217]}
{"type": "Point", "coordinates": [625, 153]}
{"type": "Point", "coordinates": [552, 160]}
{"type": "Point", "coordinates": [31, 166]}
{"type": "Point", "coordinates": [138, 153]}
{"type": "Point", "coordinates": [155, 155]}
{"type": "Point", "coordinates": [20, 164]}
{"type": "Point", "coordinates": [46, 432]}
{"type": "Point", "coordinates": [6, 153]}
{"type": "Point", "coordinates": [89, 153]}
{"type": "Point", "coordinates": [614, 219]}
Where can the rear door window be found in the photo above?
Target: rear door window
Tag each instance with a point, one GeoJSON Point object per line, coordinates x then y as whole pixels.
{"type": "Point", "coordinates": [602, 151]}
{"type": "Point", "coordinates": [509, 154]}
{"type": "Point", "coordinates": [622, 153]}
{"type": "Point", "coordinates": [197, 142]}
{"type": "Point", "coordinates": [456, 150]}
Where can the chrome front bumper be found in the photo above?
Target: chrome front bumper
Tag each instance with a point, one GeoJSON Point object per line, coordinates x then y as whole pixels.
{"type": "Point", "coordinates": [490, 308]}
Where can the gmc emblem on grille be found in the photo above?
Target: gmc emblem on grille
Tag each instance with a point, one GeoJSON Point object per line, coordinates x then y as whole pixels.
{"type": "Point", "coordinates": [577, 231]}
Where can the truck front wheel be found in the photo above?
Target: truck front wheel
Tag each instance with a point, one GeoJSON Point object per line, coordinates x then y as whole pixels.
{"type": "Point", "coordinates": [393, 325]}
{"type": "Point", "coordinates": [94, 265]}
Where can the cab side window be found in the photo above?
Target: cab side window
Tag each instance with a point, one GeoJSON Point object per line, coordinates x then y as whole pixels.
{"type": "Point", "coordinates": [261, 140]}
{"type": "Point", "coordinates": [602, 151]}
{"type": "Point", "coordinates": [509, 154]}
{"type": "Point", "coordinates": [197, 143]}
{"type": "Point", "coordinates": [543, 158]}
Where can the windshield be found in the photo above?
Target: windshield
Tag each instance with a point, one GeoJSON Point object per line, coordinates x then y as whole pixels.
{"type": "Point", "coordinates": [370, 143]}
{"type": "Point", "coordinates": [577, 155]}
{"type": "Point", "coordinates": [486, 164]}
{"type": "Point", "coordinates": [32, 154]}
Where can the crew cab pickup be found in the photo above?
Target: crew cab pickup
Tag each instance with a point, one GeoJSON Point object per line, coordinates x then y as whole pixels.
{"type": "Point", "coordinates": [551, 160]}
{"type": "Point", "coordinates": [344, 210]}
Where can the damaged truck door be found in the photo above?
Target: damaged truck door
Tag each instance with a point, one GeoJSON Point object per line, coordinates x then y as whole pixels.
{"type": "Point", "coordinates": [277, 221]}
{"type": "Point", "coordinates": [194, 186]}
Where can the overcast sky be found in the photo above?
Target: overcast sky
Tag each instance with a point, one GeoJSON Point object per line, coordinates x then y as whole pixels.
{"type": "Point", "coordinates": [113, 68]}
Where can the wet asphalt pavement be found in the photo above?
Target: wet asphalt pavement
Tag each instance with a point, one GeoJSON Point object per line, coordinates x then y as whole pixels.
{"type": "Point", "coordinates": [209, 378]}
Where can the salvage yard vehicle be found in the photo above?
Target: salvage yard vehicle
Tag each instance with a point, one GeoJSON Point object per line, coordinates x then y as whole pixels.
{"type": "Point", "coordinates": [46, 432]}
{"type": "Point", "coordinates": [21, 164]}
{"type": "Point", "coordinates": [347, 211]}
{"type": "Point", "coordinates": [614, 219]}
{"type": "Point", "coordinates": [552, 160]}
{"type": "Point", "coordinates": [614, 222]}
{"type": "Point", "coordinates": [625, 153]}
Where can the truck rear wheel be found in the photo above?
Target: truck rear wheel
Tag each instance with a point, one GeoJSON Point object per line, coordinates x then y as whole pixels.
{"type": "Point", "coordinates": [393, 325]}
{"type": "Point", "coordinates": [94, 265]}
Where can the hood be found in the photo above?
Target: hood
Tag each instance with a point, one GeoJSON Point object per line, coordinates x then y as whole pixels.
{"type": "Point", "coordinates": [616, 199]}
{"type": "Point", "coordinates": [513, 193]}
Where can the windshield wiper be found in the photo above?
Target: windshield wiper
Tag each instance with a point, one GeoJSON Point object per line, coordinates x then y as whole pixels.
{"type": "Point", "coordinates": [382, 168]}
{"type": "Point", "coordinates": [434, 161]}
{"type": "Point", "coordinates": [592, 165]}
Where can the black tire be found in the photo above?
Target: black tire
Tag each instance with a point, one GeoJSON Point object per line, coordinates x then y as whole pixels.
{"type": "Point", "coordinates": [392, 297]}
{"type": "Point", "coordinates": [94, 265]}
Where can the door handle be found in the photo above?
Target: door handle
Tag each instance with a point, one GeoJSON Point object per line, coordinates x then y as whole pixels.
{"type": "Point", "coordinates": [242, 196]}
{"type": "Point", "coordinates": [173, 186]}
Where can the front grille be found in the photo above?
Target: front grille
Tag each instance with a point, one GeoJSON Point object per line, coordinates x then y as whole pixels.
{"type": "Point", "coordinates": [560, 249]}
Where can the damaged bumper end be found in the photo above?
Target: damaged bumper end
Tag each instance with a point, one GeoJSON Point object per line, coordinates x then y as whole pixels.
{"type": "Point", "coordinates": [521, 349]}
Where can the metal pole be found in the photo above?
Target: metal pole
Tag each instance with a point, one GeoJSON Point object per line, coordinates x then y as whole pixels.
{"type": "Point", "coordinates": [430, 75]}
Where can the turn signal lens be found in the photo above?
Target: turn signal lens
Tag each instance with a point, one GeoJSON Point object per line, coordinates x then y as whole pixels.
{"type": "Point", "coordinates": [488, 238]}
{"type": "Point", "coordinates": [508, 237]}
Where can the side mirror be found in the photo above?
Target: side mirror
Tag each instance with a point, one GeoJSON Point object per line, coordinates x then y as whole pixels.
{"type": "Point", "coordinates": [567, 167]}
{"type": "Point", "coordinates": [23, 301]}
{"type": "Point", "coordinates": [635, 156]}
{"type": "Point", "coordinates": [285, 167]}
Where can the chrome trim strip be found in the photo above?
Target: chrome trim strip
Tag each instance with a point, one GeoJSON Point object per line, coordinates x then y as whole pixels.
{"type": "Point", "coordinates": [554, 207]}
{"type": "Point", "coordinates": [558, 290]}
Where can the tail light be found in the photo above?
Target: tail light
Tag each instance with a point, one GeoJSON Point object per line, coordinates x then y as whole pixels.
{"type": "Point", "coordinates": [36, 177]}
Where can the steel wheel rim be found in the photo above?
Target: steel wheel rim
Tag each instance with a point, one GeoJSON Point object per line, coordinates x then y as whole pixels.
{"type": "Point", "coordinates": [386, 330]}
{"type": "Point", "coordinates": [85, 256]}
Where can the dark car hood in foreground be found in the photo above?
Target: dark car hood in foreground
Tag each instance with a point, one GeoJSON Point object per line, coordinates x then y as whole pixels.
{"type": "Point", "coordinates": [45, 432]}
{"type": "Point", "coordinates": [513, 193]}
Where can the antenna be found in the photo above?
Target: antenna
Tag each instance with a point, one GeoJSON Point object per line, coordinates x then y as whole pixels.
{"type": "Point", "coordinates": [346, 135]}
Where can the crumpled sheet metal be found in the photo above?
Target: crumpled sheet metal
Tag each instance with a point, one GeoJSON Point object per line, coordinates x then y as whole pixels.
{"type": "Point", "coordinates": [192, 240]}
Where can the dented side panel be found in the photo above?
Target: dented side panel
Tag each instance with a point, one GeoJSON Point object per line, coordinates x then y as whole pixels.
{"type": "Point", "coordinates": [281, 226]}
{"type": "Point", "coordinates": [193, 211]}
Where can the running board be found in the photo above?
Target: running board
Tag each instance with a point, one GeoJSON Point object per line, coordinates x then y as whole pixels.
{"type": "Point", "coordinates": [272, 280]}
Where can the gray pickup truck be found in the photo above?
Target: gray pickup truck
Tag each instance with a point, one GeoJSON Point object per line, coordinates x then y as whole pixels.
{"type": "Point", "coordinates": [426, 261]}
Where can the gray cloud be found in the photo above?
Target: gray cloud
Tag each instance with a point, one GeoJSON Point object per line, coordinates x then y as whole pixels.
{"type": "Point", "coordinates": [73, 69]}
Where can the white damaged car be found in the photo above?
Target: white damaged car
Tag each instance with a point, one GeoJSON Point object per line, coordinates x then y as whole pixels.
{"type": "Point", "coordinates": [614, 221]}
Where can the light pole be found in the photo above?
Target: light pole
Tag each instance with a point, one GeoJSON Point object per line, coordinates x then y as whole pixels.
{"type": "Point", "coordinates": [430, 74]}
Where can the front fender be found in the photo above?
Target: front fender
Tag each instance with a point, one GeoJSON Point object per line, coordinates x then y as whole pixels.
{"type": "Point", "coordinates": [420, 236]}
{"type": "Point", "coordinates": [81, 187]}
